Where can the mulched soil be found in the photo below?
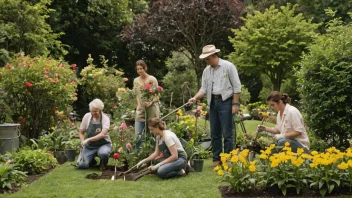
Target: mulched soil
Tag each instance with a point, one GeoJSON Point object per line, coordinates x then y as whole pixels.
{"type": "Point", "coordinates": [110, 171]}
{"type": "Point", "coordinates": [30, 179]}
{"type": "Point", "coordinates": [228, 192]}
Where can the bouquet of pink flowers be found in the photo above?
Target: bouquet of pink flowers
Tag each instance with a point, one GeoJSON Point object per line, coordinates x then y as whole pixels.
{"type": "Point", "coordinates": [149, 91]}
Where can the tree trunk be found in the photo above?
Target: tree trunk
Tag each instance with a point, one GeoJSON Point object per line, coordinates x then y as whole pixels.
{"type": "Point", "coordinates": [199, 67]}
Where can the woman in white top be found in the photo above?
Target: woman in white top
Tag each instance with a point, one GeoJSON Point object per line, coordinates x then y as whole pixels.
{"type": "Point", "coordinates": [289, 123]}
{"type": "Point", "coordinates": [97, 143]}
{"type": "Point", "coordinates": [174, 156]}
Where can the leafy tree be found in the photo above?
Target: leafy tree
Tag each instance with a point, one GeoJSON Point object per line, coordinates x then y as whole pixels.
{"type": "Point", "coordinates": [37, 88]}
{"type": "Point", "coordinates": [326, 83]}
{"type": "Point", "coordinates": [179, 82]}
{"type": "Point", "coordinates": [186, 25]}
{"type": "Point", "coordinates": [272, 42]}
{"type": "Point", "coordinates": [24, 28]}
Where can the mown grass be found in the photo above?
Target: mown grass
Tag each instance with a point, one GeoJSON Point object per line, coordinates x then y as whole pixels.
{"type": "Point", "coordinates": [67, 181]}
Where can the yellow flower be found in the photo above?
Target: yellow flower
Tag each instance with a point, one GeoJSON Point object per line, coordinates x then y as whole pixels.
{"type": "Point", "coordinates": [251, 168]}
{"type": "Point", "coordinates": [192, 141]}
{"type": "Point", "coordinates": [287, 144]}
{"type": "Point", "coordinates": [234, 159]}
{"type": "Point", "coordinates": [225, 166]}
{"type": "Point", "coordinates": [314, 153]}
{"type": "Point", "coordinates": [349, 162]}
{"type": "Point", "coordinates": [245, 152]}
{"type": "Point", "coordinates": [234, 152]}
{"type": "Point", "coordinates": [263, 156]}
{"type": "Point", "coordinates": [300, 151]}
{"type": "Point", "coordinates": [342, 166]}
{"type": "Point", "coordinates": [221, 172]}
{"type": "Point", "coordinates": [217, 168]}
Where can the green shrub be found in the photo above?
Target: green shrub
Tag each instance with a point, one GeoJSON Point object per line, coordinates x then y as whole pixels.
{"type": "Point", "coordinates": [36, 88]}
{"type": "Point", "coordinates": [34, 161]}
{"type": "Point", "coordinates": [326, 84]}
{"type": "Point", "coordinates": [102, 83]}
{"type": "Point", "coordinates": [10, 175]}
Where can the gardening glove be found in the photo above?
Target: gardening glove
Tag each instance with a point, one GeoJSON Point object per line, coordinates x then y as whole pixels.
{"type": "Point", "coordinates": [278, 137]}
{"type": "Point", "coordinates": [156, 167]}
{"type": "Point", "coordinates": [141, 163]}
{"type": "Point", "coordinates": [85, 142]}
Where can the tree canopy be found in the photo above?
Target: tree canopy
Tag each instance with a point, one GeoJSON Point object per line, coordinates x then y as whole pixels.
{"type": "Point", "coordinates": [186, 25]}
{"type": "Point", "coordinates": [272, 42]}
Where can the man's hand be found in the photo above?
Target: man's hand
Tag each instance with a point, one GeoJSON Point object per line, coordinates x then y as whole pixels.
{"type": "Point", "coordinates": [85, 142]}
{"type": "Point", "coordinates": [192, 100]}
{"type": "Point", "coordinates": [154, 168]}
{"type": "Point", "coordinates": [278, 137]}
{"type": "Point", "coordinates": [235, 109]}
{"type": "Point", "coordinates": [141, 163]}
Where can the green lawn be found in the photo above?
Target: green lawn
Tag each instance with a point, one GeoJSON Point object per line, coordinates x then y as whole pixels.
{"type": "Point", "coordinates": [67, 181]}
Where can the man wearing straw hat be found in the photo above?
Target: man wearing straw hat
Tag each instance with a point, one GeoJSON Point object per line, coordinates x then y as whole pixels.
{"type": "Point", "coordinates": [222, 87]}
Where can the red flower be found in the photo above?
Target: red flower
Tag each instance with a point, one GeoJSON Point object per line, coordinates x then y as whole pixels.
{"type": "Point", "coordinates": [160, 88]}
{"type": "Point", "coordinates": [9, 67]}
{"type": "Point", "coordinates": [74, 66]}
{"type": "Point", "coordinates": [56, 80]}
{"type": "Point", "coordinates": [47, 70]}
{"type": "Point", "coordinates": [122, 139]}
{"type": "Point", "coordinates": [22, 120]}
{"type": "Point", "coordinates": [46, 76]}
{"type": "Point", "coordinates": [28, 84]}
{"type": "Point", "coordinates": [151, 90]}
{"type": "Point", "coordinates": [147, 86]}
{"type": "Point", "coordinates": [28, 64]}
{"type": "Point", "coordinates": [116, 156]}
{"type": "Point", "coordinates": [55, 108]}
{"type": "Point", "coordinates": [49, 79]}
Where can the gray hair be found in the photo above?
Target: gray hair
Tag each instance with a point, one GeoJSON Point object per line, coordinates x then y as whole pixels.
{"type": "Point", "coordinates": [96, 104]}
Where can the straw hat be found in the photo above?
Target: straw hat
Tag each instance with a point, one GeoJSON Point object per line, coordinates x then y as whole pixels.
{"type": "Point", "coordinates": [208, 50]}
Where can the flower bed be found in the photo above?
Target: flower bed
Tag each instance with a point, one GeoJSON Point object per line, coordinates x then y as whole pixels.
{"type": "Point", "coordinates": [328, 173]}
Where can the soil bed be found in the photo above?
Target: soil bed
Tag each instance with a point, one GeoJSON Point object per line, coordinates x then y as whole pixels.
{"type": "Point", "coordinates": [110, 171]}
{"type": "Point", "coordinates": [228, 192]}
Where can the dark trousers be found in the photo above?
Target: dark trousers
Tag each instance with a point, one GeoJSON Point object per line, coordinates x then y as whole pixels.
{"type": "Point", "coordinates": [221, 126]}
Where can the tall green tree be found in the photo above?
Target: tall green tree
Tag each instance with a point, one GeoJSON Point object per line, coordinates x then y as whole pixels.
{"type": "Point", "coordinates": [326, 84]}
{"type": "Point", "coordinates": [187, 25]}
{"type": "Point", "coordinates": [24, 28]}
{"type": "Point", "coordinates": [272, 42]}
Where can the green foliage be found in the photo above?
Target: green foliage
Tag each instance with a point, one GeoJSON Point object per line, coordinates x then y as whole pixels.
{"type": "Point", "coordinates": [5, 110]}
{"type": "Point", "coordinates": [26, 29]}
{"type": "Point", "coordinates": [272, 42]}
{"type": "Point", "coordinates": [36, 88]}
{"type": "Point", "coordinates": [102, 83]}
{"type": "Point", "coordinates": [180, 76]}
{"type": "Point", "coordinates": [34, 161]}
{"type": "Point", "coordinates": [326, 84]}
{"type": "Point", "coordinates": [10, 175]}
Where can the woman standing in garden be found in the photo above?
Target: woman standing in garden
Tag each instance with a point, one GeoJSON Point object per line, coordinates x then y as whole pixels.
{"type": "Point", "coordinates": [289, 123]}
{"type": "Point", "coordinates": [147, 102]}
{"type": "Point", "coordinates": [174, 159]}
{"type": "Point", "coordinates": [96, 124]}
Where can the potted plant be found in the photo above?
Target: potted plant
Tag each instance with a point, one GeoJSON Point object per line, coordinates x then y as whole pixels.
{"type": "Point", "coordinates": [198, 158]}
{"type": "Point", "coordinates": [71, 148]}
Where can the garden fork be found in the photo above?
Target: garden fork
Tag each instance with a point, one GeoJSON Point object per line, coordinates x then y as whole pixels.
{"type": "Point", "coordinates": [256, 135]}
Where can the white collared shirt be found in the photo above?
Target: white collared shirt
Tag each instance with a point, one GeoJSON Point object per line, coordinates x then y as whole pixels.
{"type": "Point", "coordinates": [292, 120]}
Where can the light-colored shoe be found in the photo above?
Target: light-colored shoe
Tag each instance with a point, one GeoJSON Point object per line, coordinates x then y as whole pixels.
{"type": "Point", "coordinates": [216, 163]}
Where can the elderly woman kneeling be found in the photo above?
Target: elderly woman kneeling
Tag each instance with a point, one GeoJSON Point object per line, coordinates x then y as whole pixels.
{"type": "Point", "coordinates": [98, 143]}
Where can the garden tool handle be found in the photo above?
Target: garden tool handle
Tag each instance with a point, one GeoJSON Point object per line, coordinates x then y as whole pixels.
{"type": "Point", "coordinates": [129, 170]}
{"type": "Point", "coordinates": [256, 135]}
{"type": "Point", "coordinates": [174, 111]}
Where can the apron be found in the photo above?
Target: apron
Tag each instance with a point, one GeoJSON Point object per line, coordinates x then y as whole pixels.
{"type": "Point", "coordinates": [93, 130]}
{"type": "Point", "coordinates": [165, 150]}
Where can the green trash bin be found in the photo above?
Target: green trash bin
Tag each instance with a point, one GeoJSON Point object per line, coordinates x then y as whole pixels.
{"type": "Point", "coordinates": [9, 137]}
